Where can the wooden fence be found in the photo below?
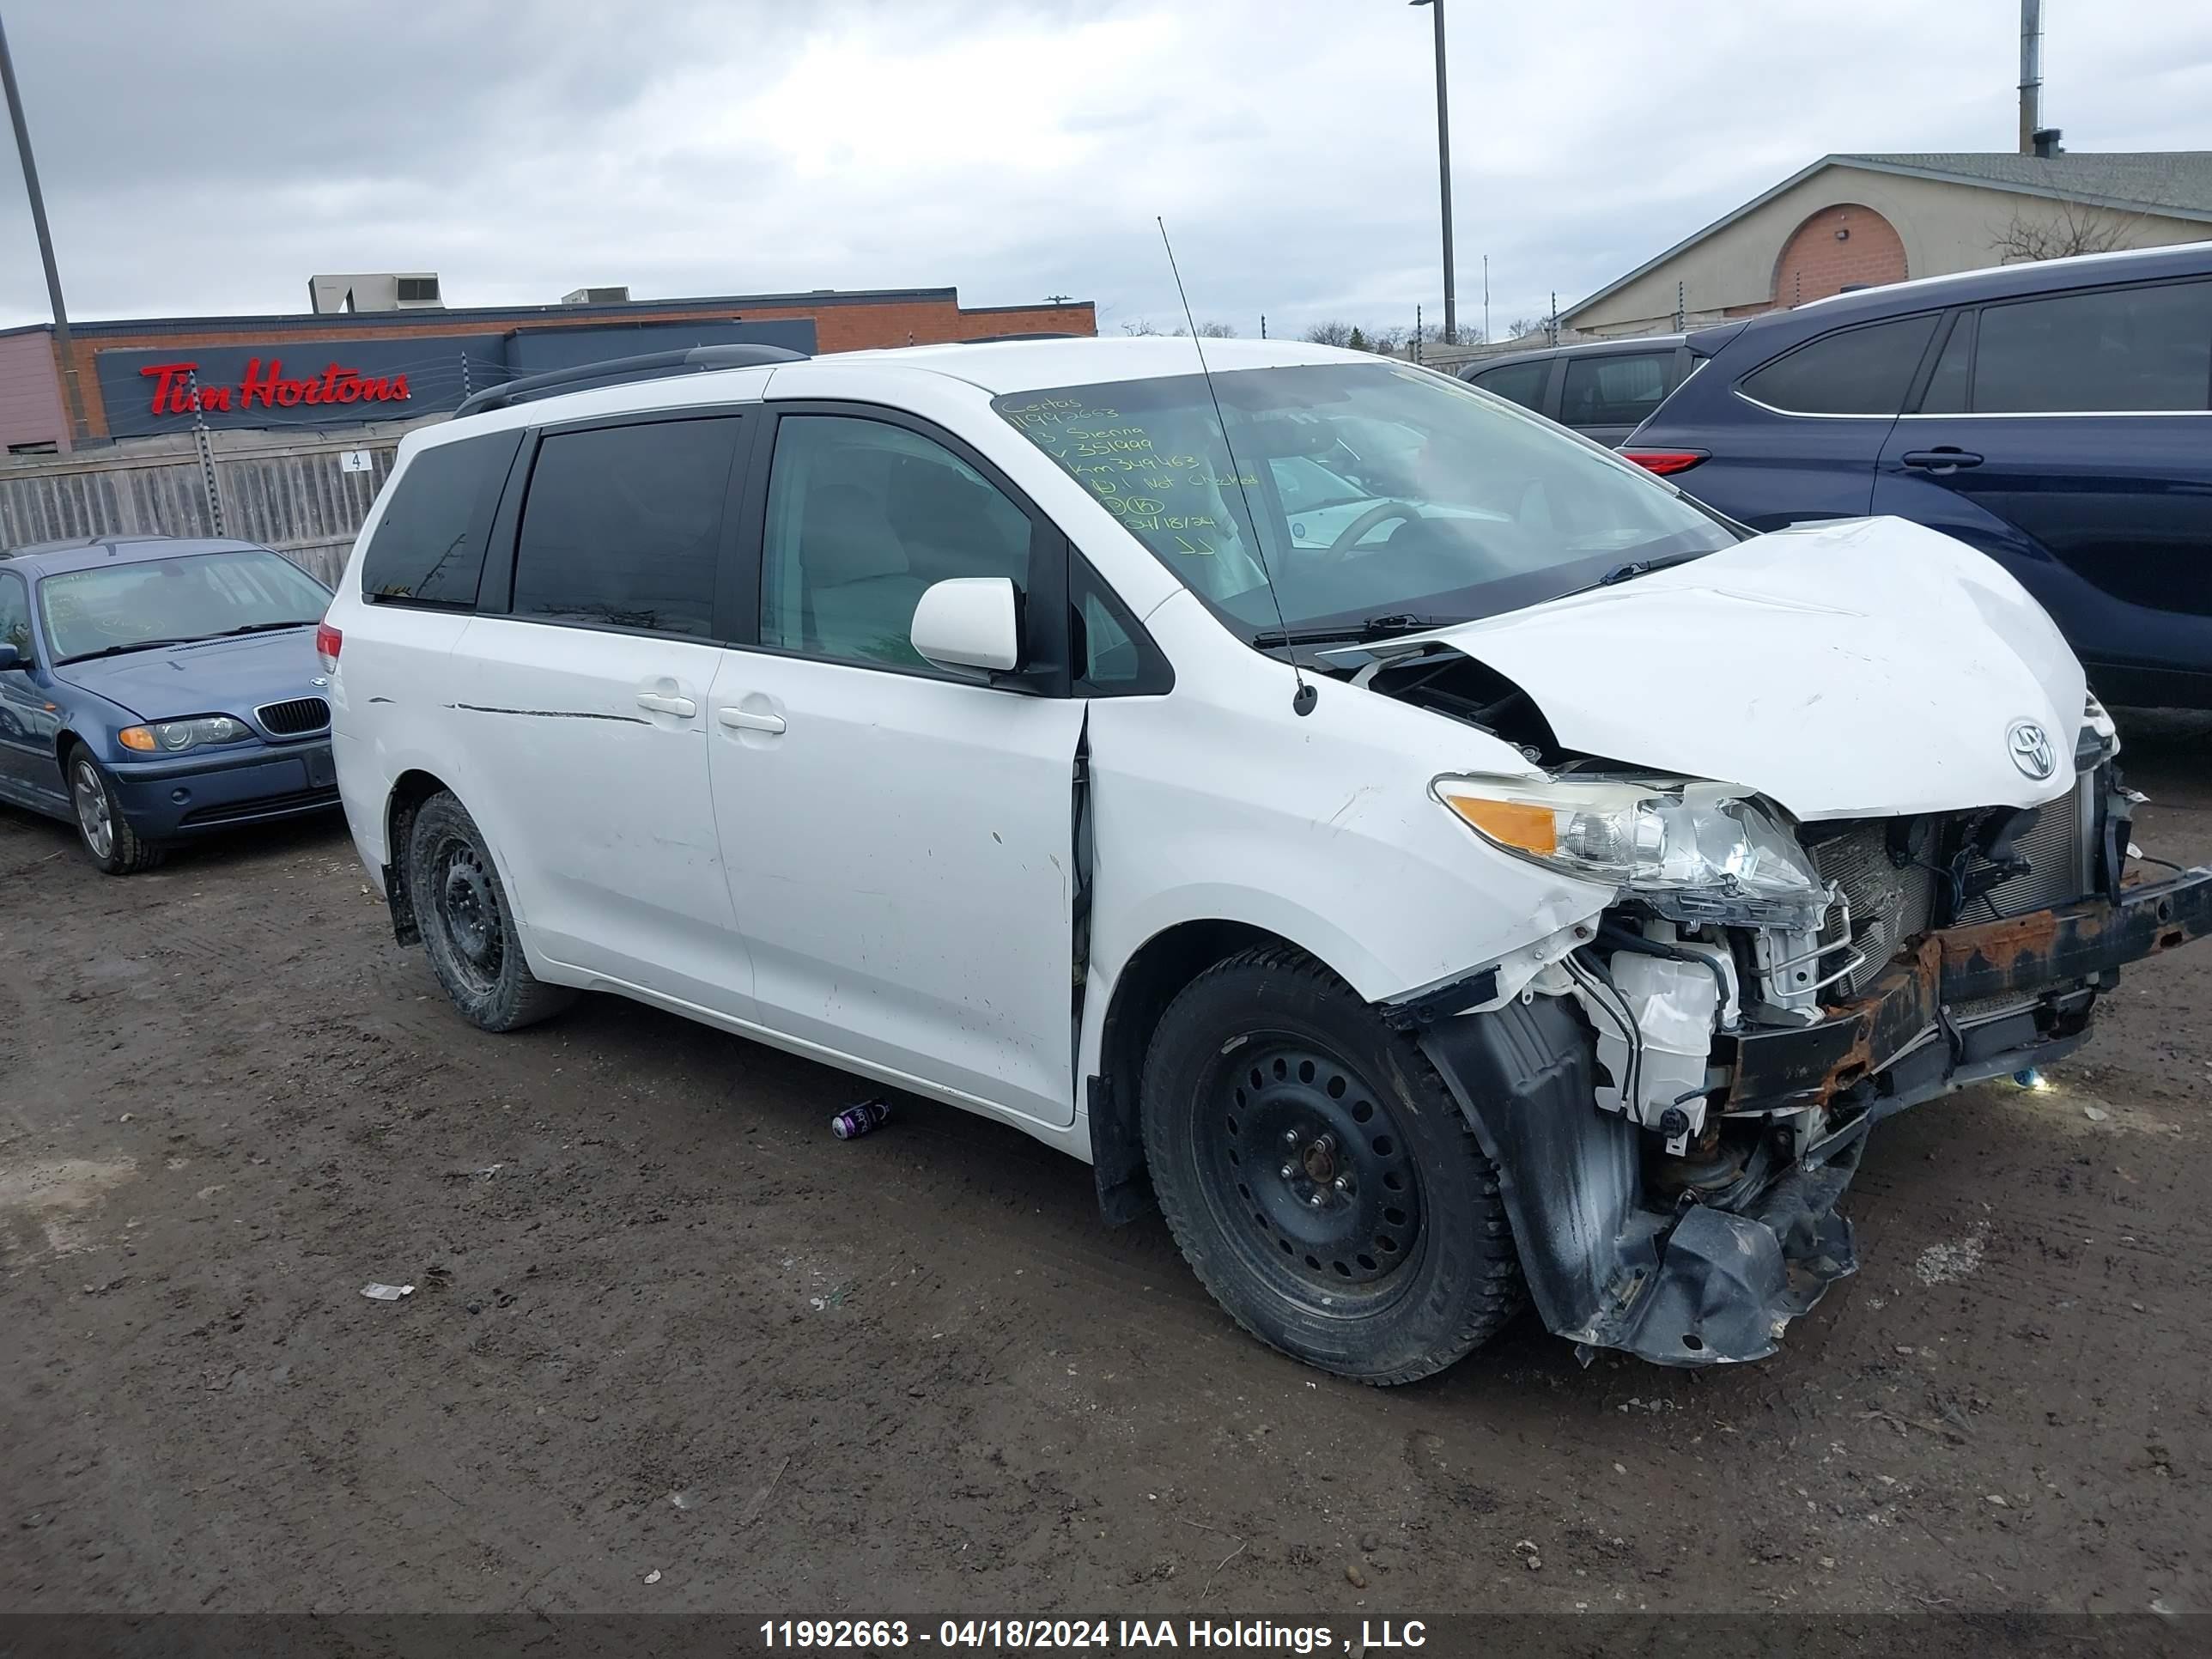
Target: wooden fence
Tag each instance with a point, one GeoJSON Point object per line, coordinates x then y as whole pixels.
{"type": "Point", "coordinates": [304, 494]}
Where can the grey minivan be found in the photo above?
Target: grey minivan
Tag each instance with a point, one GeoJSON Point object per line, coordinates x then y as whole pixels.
{"type": "Point", "coordinates": [1604, 389]}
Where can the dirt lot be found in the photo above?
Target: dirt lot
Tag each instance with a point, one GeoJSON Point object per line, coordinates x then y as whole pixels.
{"type": "Point", "coordinates": [675, 1347]}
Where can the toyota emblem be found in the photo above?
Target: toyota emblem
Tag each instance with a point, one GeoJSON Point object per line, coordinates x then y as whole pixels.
{"type": "Point", "coordinates": [2030, 749]}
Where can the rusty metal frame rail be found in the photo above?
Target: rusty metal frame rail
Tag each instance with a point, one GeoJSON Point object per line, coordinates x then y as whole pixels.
{"type": "Point", "coordinates": [2050, 950]}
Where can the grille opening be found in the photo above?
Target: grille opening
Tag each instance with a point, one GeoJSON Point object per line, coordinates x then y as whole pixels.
{"type": "Point", "coordinates": [1890, 905]}
{"type": "Point", "coordinates": [302, 800]}
{"type": "Point", "coordinates": [291, 719]}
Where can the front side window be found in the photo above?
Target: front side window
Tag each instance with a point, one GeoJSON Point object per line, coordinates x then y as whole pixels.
{"type": "Point", "coordinates": [1854, 371]}
{"type": "Point", "coordinates": [1615, 390]}
{"type": "Point", "coordinates": [14, 613]}
{"type": "Point", "coordinates": [2134, 349]}
{"type": "Point", "coordinates": [623, 527]}
{"type": "Point", "coordinates": [1452, 504]}
{"type": "Point", "coordinates": [863, 517]}
{"type": "Point", "coordinates": [113, 608]}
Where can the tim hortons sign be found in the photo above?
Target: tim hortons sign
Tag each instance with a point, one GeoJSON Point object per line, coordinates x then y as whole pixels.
{"type": "Point", "coordinates": [177, 391]}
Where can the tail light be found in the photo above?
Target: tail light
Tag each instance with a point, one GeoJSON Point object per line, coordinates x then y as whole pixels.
{"type": "Point", "coordinates": [1665, 461]}
{"type": "Point", "coordinates": [327, 642]}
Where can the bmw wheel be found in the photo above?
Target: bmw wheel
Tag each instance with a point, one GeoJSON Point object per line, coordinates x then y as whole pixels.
{"type": "Point", "coordinates": [1319, 1177]}
{"type": "Point", "coordinates": [467, 927]}
{"type": "Point", "coordinates": [106, 835]}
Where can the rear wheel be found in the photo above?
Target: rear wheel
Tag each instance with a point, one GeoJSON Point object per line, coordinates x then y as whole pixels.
{"type": "Point", "coordinates": [1319, 1177]}
{"type": "Point", "coordinates": [107, 836]}
{"type": "Point", "coordinates": [467, 928]}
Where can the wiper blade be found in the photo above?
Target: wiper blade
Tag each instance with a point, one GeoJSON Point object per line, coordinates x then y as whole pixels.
{"type": "Point", "coordinates": [257, 628]}
{"type": "Point", "coordinates": [118, 650]}
{"type": "Point", "coordinates": [1373, 627]}
{"type": "Point", "coordinates": [1635, 568]}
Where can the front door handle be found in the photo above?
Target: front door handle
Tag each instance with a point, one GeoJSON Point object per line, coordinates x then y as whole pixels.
{"type": "Point", "coordinates": [745, 720]}
{"type": "Point", "coordinates": [1941, 460]}
{"type": "Point", "coordinates": [662, 705]}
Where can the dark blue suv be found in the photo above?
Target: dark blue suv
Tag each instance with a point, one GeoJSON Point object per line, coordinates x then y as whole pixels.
{"type": "Point", "coordinates": [2057, 415]}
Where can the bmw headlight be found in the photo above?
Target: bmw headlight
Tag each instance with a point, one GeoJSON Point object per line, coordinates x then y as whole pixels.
{"type": "Point", "coordinates": [1682, 839]}
{"type": "Point", "coordinates": [172, 737]}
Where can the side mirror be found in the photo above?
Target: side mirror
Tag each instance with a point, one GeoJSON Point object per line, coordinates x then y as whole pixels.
{"type": "Point", "coordinates": [12, 657]}
{"type": "Point", "coordinates": [970, 621]}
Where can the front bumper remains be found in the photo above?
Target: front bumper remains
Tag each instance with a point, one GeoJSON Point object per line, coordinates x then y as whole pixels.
{"type": "Point", "coordinates": [1701, 1283]}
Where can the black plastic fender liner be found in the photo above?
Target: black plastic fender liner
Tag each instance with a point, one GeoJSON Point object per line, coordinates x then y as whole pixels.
{"type": "Point", "coordinates": [1605, 1268]}
{"type": "Point", "coordinates": [1568, 1172]}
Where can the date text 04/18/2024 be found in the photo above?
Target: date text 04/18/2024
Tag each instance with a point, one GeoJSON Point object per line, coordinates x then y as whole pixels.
{"type": "Point", "coordinates": [1006, 1635]}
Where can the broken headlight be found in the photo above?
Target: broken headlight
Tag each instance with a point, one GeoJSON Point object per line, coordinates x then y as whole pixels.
{"type": "Point", "coordinates": [1691, 838]}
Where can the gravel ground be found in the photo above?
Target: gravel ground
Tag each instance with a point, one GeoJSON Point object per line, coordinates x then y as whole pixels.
{"type": "Point", "coordinates": [674, 1347]}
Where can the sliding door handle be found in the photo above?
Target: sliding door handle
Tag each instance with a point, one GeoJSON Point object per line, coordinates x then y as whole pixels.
{"type": "Point", "coordinates": [745, 720]}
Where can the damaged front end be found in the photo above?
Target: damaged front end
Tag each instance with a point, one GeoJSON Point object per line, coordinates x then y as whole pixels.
{"type": "Point", "coordinates": [1740, 1035]}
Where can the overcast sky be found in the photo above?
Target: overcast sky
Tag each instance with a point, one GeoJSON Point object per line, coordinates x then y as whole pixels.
{"type": "Point", "coordinates": [205, 156]}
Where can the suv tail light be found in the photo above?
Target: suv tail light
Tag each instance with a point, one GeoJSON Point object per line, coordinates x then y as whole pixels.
{"type": "Point", "coordinates": [327, 642]}
{"type": "Point", "coordinates": [1664, 461]}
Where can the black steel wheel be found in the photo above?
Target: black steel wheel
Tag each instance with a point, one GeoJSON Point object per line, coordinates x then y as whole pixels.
{"type": "Point", "coordinates": [467, 928]}
{"type": "Point", "coordinates": [1318, 1176]}
{"type": "Point", "coordinates": [1317, 1164]}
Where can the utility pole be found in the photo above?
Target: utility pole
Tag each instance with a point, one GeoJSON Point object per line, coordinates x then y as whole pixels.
{"type": "Point", "coordinates": [1443, 170]}
{"type": "Point", "coordinates": [1486, 297]}
{"type": "Point", "coordinates": [62, 350]}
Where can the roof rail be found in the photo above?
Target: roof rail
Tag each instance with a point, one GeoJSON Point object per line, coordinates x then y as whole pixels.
{"type": "Point", "coordinates": [616, 371]}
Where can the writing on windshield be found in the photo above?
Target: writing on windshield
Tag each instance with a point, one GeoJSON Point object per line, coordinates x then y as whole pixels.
{"type": "Point", "coordinates": [1352, 489]}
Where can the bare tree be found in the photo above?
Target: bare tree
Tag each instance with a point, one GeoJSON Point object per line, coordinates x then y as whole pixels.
{"type": "Point", "coordinates": [1213, 331]}
{"type": "Point", "coordinates": [2077, 230]}
{"type": "Point", "coordinates": [1334, 334]}
{"type": "Point", "coordinates": [1521, 327]}
{"type": "Point", "coordinates": [1139, 325]}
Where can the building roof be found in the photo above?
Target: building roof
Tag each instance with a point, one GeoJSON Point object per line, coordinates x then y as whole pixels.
{"type": "Point", "coordinates": [2174, 184]}
{"type": "Point", "coordinates": [417, 316]}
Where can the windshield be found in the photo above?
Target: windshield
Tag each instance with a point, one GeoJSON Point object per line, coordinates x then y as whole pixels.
{"type": "Point", "coordinates": [1376, 489]}
{"type": "Point", "coordinates": [197, 596]}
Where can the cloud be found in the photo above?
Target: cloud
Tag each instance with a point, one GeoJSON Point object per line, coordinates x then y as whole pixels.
{"type": "Point", "coordinates": [207, 158]}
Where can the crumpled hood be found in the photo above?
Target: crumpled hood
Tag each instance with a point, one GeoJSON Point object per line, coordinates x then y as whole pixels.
{"type": "Point", "coordinates": [1858, 668]}
{"type": "Point", "coordinates": [211, 676]}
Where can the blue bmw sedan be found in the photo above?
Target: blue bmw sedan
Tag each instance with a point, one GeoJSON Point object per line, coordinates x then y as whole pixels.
{"type": "Point", "coordinates": [152, 689]}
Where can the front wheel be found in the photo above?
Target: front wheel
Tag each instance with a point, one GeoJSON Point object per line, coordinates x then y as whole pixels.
{"type": "Point", "coordinates": [105, 834]}
{"type": "Point", "coordinates": [467, 928]}
{"type": "Point", "coordinates": [1319, 1177]}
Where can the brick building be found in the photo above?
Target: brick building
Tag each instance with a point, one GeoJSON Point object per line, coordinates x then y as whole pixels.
{"type": "Point", "coordinates": [331, 369]}
{"type": "Point", "coordinates": [1859, 221]}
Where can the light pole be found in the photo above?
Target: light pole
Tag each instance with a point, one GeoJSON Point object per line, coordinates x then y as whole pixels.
{"type": "Point", "coordinates": [1444, 171]}
{"type": "Point", "coordinates": [62, 350]}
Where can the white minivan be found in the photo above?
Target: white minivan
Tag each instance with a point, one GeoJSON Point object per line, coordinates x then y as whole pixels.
{"type": "Point", "coordinates": [1438, 862]}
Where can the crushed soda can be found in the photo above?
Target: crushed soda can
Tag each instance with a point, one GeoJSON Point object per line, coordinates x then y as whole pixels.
{"type": "Point", "coordinates": [865, 1118]}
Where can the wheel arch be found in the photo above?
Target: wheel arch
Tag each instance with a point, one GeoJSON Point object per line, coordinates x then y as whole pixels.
{"type": "Point", "coordinates": [402, 801]}
{"type": "Point", "coordinates": [1154, 975]}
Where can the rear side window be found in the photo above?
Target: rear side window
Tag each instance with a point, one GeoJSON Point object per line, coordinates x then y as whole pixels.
{"type": "Point", "coordinates": [623, 526]}
{"type": "Point", "coordinates": [1518, 383]}
{"type": "Point", "coordinates": [2138, 349]}
{"type": "Point", "coordinates": [1614, 391]}
{"type": "Point", "coordinates": [1854, 371]}
{"type": "Point", "coordinates": [428, 548]}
